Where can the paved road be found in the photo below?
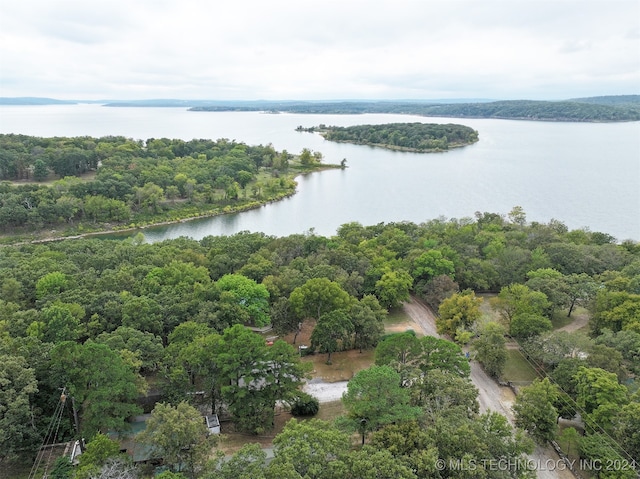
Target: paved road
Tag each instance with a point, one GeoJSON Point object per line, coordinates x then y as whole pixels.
{"type": "Point", "coordinates": [491, 396]}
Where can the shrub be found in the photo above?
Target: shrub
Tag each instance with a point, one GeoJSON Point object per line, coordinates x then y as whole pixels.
{"type": "Point", "coordinates": [305, 405]}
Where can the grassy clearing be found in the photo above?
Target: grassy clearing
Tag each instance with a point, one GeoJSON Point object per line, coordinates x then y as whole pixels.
{"type": "Point", "coordinates": [395, 317]}
{"type": "Point", "coordinates": [517, 369]}
{"type": "Point", "coordinates": [51, 178]}
{"type": "Point", "coordinates": [344, 364]}
{"type": "Point", "coordinates": [488, 313]}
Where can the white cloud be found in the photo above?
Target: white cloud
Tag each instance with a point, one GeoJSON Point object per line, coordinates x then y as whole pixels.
{"type": "Point", "coordinates": [286, 49]}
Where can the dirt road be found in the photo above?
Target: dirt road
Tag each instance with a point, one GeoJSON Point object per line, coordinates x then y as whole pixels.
{"type": "Point", "coordinates": [492, 397]}
{"type": "Point", "coordinates": [579, 322]}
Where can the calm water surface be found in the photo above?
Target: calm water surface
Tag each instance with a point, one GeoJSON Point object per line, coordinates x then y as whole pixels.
{"type": "Point", "coordinates": [583, 174]}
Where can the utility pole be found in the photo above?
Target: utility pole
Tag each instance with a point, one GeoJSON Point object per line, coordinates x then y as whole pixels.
{"type": "Point", "coordinates": [77, 423]}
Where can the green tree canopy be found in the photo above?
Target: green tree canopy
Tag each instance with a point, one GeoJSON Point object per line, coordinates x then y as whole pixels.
{"type": "Point", "coordinates": [18, 384]}
{"type": "Point", "coordinates": [318, 296]}
{"type": "Point", "coordinates": [600, 396]}
{"type": "Point", "coordinates": [458, 311]}
{"type": "Point", "coordinates": [104, 387]}
{"type": "Point", "coordinates": [374, 398]}
{"type": "Point", "coordinates": [308, 446]}
{"type": "Point", "coordinates": [535, 412]}
{"type": "Point", "coordinates": [247, 294]}
{"type": "Point", "coordinates": [179, 436]}
{"type": "Point", "coordinates": [490, 348]}
{"type": "Point", "coordinates": [393, 288]}
{"type": "Point", "coordinates": [333, 330]}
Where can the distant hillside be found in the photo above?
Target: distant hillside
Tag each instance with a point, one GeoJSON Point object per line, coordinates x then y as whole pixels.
{"type": "Point", "coordinates": [579, 111]}
{"type": "Point", "coordinates": [29, 100]}
{"type": "Point", "coordinates": [616, 100]}
{"type": "Point", "coordinates": [592, 109]}
{"type": "Point", "coordinates": [538, 110]}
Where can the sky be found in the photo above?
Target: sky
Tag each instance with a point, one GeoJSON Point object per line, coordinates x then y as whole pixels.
{"type": "Point", "coordinates": [319, 50]}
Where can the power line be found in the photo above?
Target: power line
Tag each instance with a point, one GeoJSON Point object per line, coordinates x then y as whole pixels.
{"type": "Point", "coordinates": [50, 437]}
{"type": "Point", "coordinates": [573, 405]}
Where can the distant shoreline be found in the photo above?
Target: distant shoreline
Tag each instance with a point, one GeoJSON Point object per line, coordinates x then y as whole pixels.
{"type": "Point", "coordinates": [601, 109]}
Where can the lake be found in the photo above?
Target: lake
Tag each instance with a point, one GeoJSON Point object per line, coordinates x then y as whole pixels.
{"type": "Point", "coordinates": [586, 175]}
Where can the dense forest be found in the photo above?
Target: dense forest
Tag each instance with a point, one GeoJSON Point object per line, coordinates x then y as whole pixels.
{"type": "Point", "coordinates": [597, 109]}
{"type": "Point", "coordinates": [84, 184]}
{"type": "Point", "coordinates": [108, 320]}
{"type": "Point", "coordinates": [420, 137]}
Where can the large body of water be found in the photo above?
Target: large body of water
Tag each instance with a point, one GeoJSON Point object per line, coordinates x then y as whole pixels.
{"type": "Point", "coordinates": [586, 175]}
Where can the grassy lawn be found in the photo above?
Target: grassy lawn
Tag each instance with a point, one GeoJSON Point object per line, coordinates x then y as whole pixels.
{"type": "Point", "coordinates": [397, 321]}
{"type": "Point", "coordinates": [560, 320]}
{"type": "Point", "coordinates": [517, 369]}
{"type": "Point", "coordinates": [330, 410]}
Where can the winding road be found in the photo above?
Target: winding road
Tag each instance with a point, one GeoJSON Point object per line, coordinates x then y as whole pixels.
{"type": "Point", "coordinates": [492, 396]}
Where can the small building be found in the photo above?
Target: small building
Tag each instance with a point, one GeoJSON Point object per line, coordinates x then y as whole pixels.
{"type": "Point", "coordinates": [213, 423]}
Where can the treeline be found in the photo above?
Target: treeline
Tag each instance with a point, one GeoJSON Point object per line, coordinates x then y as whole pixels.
{"type": "Point", "coordinates": [125, 311]}
{"type": "Point", "coordinates": [401, 136]}
{"type": "Point", "coordinates": [120, 180]}
{"type": "Point", "coordinates": [619, 100]}
{"type": "Point", "coordinates": [579, 110]}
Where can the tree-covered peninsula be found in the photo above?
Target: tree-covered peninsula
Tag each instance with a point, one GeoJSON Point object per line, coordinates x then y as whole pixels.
{"type": "Point", "coordinates": [83, 184]}
{"type": "Point", "coordinates": [419, 137]}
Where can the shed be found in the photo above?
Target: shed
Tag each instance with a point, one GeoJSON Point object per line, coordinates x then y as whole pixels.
{"type": "Point", "coordinates": [213, 423]}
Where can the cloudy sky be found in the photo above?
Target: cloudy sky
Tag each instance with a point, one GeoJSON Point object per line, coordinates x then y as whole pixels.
{"type": "Point", "coordinates": [325, 49]}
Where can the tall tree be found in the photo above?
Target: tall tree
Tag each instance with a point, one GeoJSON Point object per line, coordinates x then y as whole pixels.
{"type": "Point", "coordinates": [179, 436]}
{"type": "Point", "coordinates": [247, 294]}
{"type": "Point", "coordinates": [18, 384]}
{"type": "Point", "coordinates": [402, 352]}
{"type": "Point", "coordinates": [372, 463]}
{"type": "Point", "coordinates": [518, 299]}
{"type": "Point", "coordinates": [535, 411]}
{"type": "Point", "coordinates": [458, 311]}
{"type": "Point", "coordinates": [438, 391]}
{"type": "Point", "coordinates": [627, 428]}
{"type": "Point", "coordinates": [255, 376]}
{"type": "Point", "coordinates": [95, 455]}
{"type": "Point", "coordinates": [600, 396]}
{"type": "Point", "coordinates": [308, 446]}
{"type": "Point", "coordinates": [104, 386]}
{"type": "Point", "coordinates": [250, 462]}
{"type": "Point", "coordinates": [411, 443]}
{"type": "Point", "coordinates": [332, 330]}
{"type": "Point", "coordinates": [318, 296]}
{"type": "Point", "coordinates": [367, 325]}
{"type": "Point", "coordinates": [374, 398]}
{"type": "Point", "coordinates": [393, 288]}
{"type": "Point", "coordinates": [444, 355]}
{"type": "Point", "coordinates": [432, 263]}
{"type": "Point", "coordinates": [490, 348]}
